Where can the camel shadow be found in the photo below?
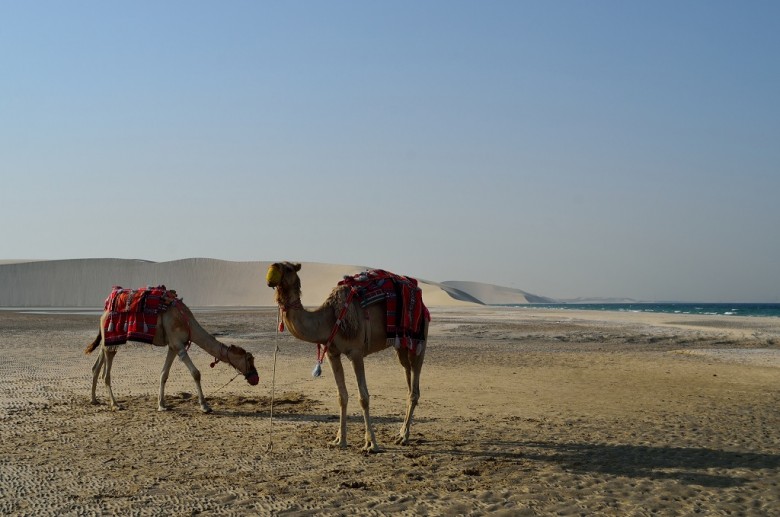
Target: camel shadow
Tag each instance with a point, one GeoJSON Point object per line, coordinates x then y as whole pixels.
{"type": "Point", "coordinates": [291, 406]}
{"type": "Point", "coordinates": [286, 414]}
{"type": "Point", "coordinates": [351, 419]}
{"type": "Point", "coordinates": [690, 465]}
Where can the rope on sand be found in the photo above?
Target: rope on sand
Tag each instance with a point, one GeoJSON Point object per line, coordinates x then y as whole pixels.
{"type": "Point", "coordinates": [228, 382]}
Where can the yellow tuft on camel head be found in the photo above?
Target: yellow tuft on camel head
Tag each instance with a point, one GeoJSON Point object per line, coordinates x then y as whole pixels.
{"type": "Point", "coordinates": [274, 276]}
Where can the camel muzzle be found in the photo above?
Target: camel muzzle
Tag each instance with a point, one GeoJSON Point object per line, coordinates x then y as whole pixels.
{"type": "Point", "coordinates": [274, 276]}
{"type": "Point", "coordinates": [252, 377]}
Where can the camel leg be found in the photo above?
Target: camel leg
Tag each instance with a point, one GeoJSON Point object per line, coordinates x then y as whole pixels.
{"type": "Point", "coordinates": [360, 374]}
{"type": "Point", "coordinates": [338, 375]}
{"type": "Point", "coordinates": [109, 355]}
{"type": "Point", "coordinates": [413, 367]}
{"type": "Point", "coordinates": [166, 369]}
{"type": "Point", "coordinates": [96, 368]}
{"type": "Point", "coordinates": [196, 377]}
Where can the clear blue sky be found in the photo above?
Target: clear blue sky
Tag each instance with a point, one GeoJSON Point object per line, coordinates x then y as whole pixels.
{"type": "Point", "coordinates": [566, 148]}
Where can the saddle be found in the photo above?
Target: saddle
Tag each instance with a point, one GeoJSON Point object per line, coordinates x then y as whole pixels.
{"type": "Point", "coordinates": [403, 298]}
{"type": "Point", "coordinates": [133, 313]}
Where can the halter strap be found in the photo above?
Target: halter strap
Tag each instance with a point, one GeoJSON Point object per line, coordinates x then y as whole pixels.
{"type": "Point", "coordinates": [283, 309]}
{"type": "Point", "coordinates": [222, 355]}
{"type": "Point", "coordinates": [226, 359]}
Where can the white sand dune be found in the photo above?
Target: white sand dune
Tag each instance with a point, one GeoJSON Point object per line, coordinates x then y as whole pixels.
{"type": "Point", "coordinates": [202, 282]}
{"type": "Point", "coordinates": [495, 294]}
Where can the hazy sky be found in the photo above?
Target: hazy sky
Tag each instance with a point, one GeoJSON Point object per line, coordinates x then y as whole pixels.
{"type": "Point", "coordinates": [566, 148]}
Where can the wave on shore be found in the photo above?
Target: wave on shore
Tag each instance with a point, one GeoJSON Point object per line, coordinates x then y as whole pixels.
{"type": "Point", "coordinates": [710, 309]}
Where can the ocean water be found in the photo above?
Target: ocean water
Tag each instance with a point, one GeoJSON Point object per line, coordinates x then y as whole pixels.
{"type": "Point", "coordinates": [726, 309]}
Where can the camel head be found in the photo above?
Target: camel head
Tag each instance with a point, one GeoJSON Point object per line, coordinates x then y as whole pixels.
{"type": "Point", "coordinates": [251, 376]}
{"type": "Point", "coordinates": [245, 364]}
{"type": "Point", "coordinates": [283, 276]}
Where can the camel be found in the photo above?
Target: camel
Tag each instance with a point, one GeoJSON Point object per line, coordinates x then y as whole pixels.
{"type": "Point", "coordinates": [176, 328]}
{"type": "Point", "coordinates": [362, 332]}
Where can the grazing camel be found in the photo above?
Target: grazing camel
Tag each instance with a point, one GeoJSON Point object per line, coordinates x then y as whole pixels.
{"type": "Point", "coordinates": [176, 328]}
{"type": "Point", "coordinates": [345, 328]}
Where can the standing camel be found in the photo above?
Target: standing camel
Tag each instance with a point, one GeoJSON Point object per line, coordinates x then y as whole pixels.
{"type": "Point", "coordinates": [175, 327]}
{"type": "Point", "coordinates": [344, 327]}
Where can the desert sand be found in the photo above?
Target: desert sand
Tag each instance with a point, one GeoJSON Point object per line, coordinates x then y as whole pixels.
{"type": "Point", "coordinates": [523, 412]}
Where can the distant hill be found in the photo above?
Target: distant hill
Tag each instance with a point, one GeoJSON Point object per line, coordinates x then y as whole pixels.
{"type": "Point", "coordinates": [87, 282]}
{"type": "Point", "coordinates": [496, 294]}
{"type": "Point", "coordinates": [201, 282]}
{"type": "Point", "coordinates": [205, 282]}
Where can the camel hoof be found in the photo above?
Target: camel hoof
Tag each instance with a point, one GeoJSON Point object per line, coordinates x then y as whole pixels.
{"type": "Point", "coordinates": [117, 407]}
{"type": "Point", "coordinates": [338, 442]}
{"type": "Point", "coordinates": [163, 408]}
{"type": "Point", "coordinates": [402, 440]}
{"type": "Point", "coordinates": [94, 402]}
{"type": "Point", "coordinates": [206, 409]}
{"type": "Point", "coordinates": [370, 448]}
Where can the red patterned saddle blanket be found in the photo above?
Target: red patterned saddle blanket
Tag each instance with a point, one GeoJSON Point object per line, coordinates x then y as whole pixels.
{"type": "Point", "coordinates": [405, 307]}
{"type": "Point", "coordinates": [133, 313]}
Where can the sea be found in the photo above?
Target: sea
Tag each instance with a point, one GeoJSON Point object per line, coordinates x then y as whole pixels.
{"type": "Point", "coordinates": [725, 309]}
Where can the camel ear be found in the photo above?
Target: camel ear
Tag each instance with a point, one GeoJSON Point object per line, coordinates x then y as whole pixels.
{"type": "Point", "coordinates": [297, 266]}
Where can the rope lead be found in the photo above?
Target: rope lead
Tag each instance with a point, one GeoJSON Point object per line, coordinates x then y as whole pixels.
{"type": "Point", "coordinates": [273, 384]}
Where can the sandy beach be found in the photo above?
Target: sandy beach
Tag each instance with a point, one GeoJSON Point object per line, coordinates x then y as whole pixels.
{"type": "Point", "coordinates": [523, 412]}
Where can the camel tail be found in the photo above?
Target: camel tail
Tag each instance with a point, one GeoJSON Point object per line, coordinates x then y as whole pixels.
{"type": "Point", "coordinates": [92, 346]}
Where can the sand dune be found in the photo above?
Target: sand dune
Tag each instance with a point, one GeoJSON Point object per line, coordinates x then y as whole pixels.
{"type": "Point", "coordinates": [202, 282]}
{"type": "Point", "coordinates": [496, 294]}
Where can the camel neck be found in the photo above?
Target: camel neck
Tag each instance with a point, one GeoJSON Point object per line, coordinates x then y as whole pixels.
{"type": "Point", "coordinates": [288, 299]}
{"type": "Point", "coordinates": [213, 346]}
{"type": "Point", "coordinates": [311, 326]}
{"type": "Point", "coordinates": [287, 306]}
